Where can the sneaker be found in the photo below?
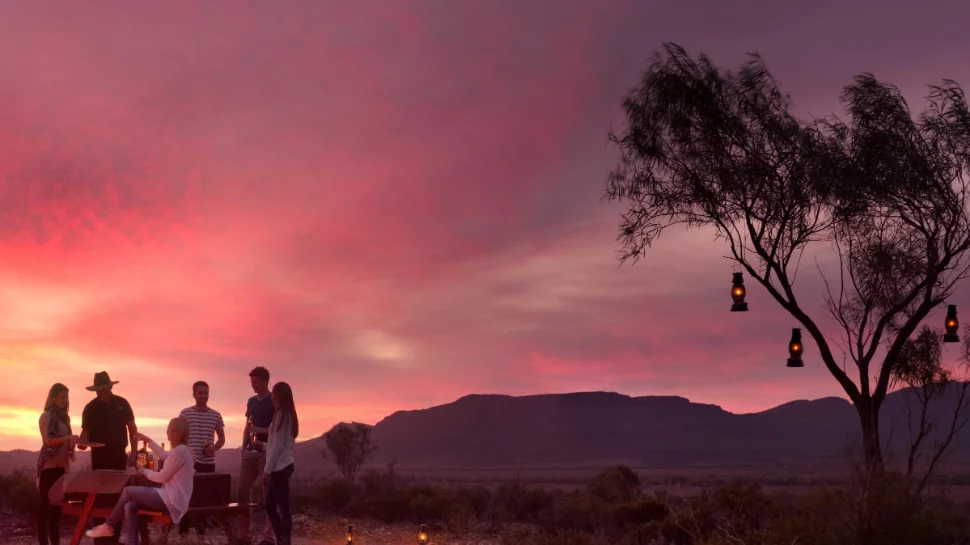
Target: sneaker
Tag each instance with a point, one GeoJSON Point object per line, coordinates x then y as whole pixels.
{"type": "Point", "coordinates": [102, 530]}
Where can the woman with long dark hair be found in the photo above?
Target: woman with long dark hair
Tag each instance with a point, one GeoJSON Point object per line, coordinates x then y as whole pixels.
{"type": "Point", "coordinates": [56, 453]}
{"type": "Point", "coordinates": [279, 462]}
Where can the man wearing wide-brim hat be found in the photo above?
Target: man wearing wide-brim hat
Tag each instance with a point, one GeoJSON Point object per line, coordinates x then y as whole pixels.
{"type": "Point", "coordinates": [109, 422]}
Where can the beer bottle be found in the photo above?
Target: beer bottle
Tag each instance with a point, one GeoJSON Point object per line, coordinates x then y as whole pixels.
{"type": "Point", "coordinates": [141, 459]}
{"type": "Point", "coordinates": [250, 436]}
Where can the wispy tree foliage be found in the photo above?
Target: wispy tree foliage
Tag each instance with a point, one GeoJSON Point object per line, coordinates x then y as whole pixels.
{"type": "Point", "coordinates": [349, 447]}
{"type": "Point", "coordinates": [887, 190]}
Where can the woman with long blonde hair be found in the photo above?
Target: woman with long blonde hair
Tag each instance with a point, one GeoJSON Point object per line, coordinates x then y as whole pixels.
{"type": "Point", "coordinates": [56, 453]}
{"type": "Point", "coordinates": [173, 496]}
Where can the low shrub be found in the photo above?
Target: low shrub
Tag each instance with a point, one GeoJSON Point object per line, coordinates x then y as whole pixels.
{"type": "Point", "coordinates": [18, 493]}
{"type": "Point", "coordinates": [612, 508]}
{"type": "Point", "coordinates": [516, 502]}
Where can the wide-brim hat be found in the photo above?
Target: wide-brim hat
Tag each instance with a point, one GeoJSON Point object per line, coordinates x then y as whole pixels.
{"type": "Point", "coordinates": [102, 382]}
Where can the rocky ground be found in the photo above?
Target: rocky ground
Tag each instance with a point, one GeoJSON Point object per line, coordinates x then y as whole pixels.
{"type": "Point", "coordinates": [307, 531]}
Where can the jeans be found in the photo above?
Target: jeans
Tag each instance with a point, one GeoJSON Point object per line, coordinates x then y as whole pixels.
{"type": "Point", "coordinates": [251, 468]}
{"type": "Point", "coordinates": [278, 504]}
{"type": "Point", "coordinates": [201, 522]}
{"type": "Point", "coordinates": [132, 499]}
{"type": "Point", "coordinates": [49, 516]}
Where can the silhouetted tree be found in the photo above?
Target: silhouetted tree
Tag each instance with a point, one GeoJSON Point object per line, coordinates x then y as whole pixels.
{"type": "Point", "coordinates": [619, 483]}
{"type": "Point", "coordinates": [920, 367]}
{"type": "Point", "coordinates": [350, 447]}
{"type": "Point", "coordinates": [721, 150]}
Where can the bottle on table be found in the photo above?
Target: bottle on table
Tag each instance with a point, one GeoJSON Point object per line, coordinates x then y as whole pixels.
{"type": "Point", "coordinates": [251, 443]}
{"type": "Point", "coordinates": [160, 461]}
{"type": "Point", "coordinates": [141, 459]}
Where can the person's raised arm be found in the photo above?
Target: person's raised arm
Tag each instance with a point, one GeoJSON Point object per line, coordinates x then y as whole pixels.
{"type": "Point", "coordinates": [156, 448]}
{"type": "Point", "coordinates": [172, 466]}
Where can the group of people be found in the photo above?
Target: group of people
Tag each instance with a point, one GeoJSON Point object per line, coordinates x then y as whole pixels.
{"type": "Point", "coordinates": [108, 426]}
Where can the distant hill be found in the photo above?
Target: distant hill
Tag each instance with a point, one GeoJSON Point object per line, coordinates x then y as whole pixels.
{"type": "Point", "coordinates": [594, 428]}
{"type": "Point", "coordinates": [598, 428]}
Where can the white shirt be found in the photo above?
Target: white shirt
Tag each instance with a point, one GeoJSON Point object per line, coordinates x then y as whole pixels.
{"type": "Point", "coordinates": [176, 478]}
{"type": "Point", "coordinates": [279, 446]}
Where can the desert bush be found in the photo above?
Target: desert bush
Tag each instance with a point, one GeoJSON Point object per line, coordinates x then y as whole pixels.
{"type": "Point", "coordinates": [329, 496]}
{"type": "Point", "coordinates": [516, 502]}
{"type": "Point", "coordinates": [889, 514]}
{"type": "Point", "coordinates": [639, 512]}
{"type": "Point", "coordinates": [431, 506]}
{"type": "Point", "coordinates": [734, 511]}
{"type": "Point", "coordinates": [478, 498]}
{"type": "Point", "coordinates": [618, 483]}
{"type": "Point", "coordinates": [18, 493]}
{"type": "Point", "coordinates": [576, 511]}
{"type": "Point", "coordinates": [611, 508]}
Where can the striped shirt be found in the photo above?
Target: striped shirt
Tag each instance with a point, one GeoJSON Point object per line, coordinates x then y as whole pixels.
{"type": "Point", "coordinates": [202, 428]}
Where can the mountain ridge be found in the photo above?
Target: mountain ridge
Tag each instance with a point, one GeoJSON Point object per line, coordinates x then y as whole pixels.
{"type": "Point", "coordinates": [596, 428]}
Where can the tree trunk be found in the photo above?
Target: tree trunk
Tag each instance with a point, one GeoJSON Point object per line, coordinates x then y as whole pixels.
{"type": "Point", "coordinates": [871, 445]}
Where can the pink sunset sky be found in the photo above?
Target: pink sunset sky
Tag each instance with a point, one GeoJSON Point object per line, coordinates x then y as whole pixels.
{"type": "Point", "coordinates": [388, 204]}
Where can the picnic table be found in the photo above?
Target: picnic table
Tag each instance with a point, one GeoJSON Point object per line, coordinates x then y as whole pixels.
{"type": "Point", "coordinates": [93, 494]}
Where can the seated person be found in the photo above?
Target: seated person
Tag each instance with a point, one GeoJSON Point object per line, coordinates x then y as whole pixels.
{"type": "Point", "coordinates": [173, 496]}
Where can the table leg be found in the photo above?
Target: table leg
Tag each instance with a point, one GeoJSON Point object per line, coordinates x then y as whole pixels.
{"type": "Point", "coordinates": [82, 519]}
{"type": "Point", "coordinates": [146, 536]}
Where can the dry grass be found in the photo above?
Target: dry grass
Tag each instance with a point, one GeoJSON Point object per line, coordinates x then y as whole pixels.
{"type": "Point", "coordinates": [615, 507]}
{"type": "Point", "coordinates": [318, 531]}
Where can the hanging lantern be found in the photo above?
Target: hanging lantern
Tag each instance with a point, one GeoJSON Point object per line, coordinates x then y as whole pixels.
{"type": "Point", "coordinates": [737, 293]}
{"type": "Point", "coordinates": [952, 325]}
{"type": "Point", "coordinates": [423, 535]}
{"type": "Point", "coordinates": [795, 348]}
{"type": "Point", "coordinates": [350, 534]}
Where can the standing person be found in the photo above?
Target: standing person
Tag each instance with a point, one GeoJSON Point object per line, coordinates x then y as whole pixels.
{"type": "Point", "coordinates": [56, 454]}
{"type": "Point", "coordinates": [279, 462]}
{"type": "Point", "coordinates": [259, 414]}
{"type": "Point", "coordinates": [172, 497]}
{"type": "Point", "coordinates": [109, 420]}
{"type": "Point", "coordinates": [204, 423]}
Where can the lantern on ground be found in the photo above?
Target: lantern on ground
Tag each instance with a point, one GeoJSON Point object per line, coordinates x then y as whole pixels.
{"type": "Point", "coordinates": [951, 325]}
{"type": "Point", "coordinates": [737, 293]}
{"type": "Point", "coordinates": [423, 535]}
{"type": "Point", "coordinates": [350, 534]}
{"type": "Point", "coordinates": [795, 349]}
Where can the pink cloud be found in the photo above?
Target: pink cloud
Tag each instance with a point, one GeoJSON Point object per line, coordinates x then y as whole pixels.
{"type": "Point", "coordinates": [389, 204]}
